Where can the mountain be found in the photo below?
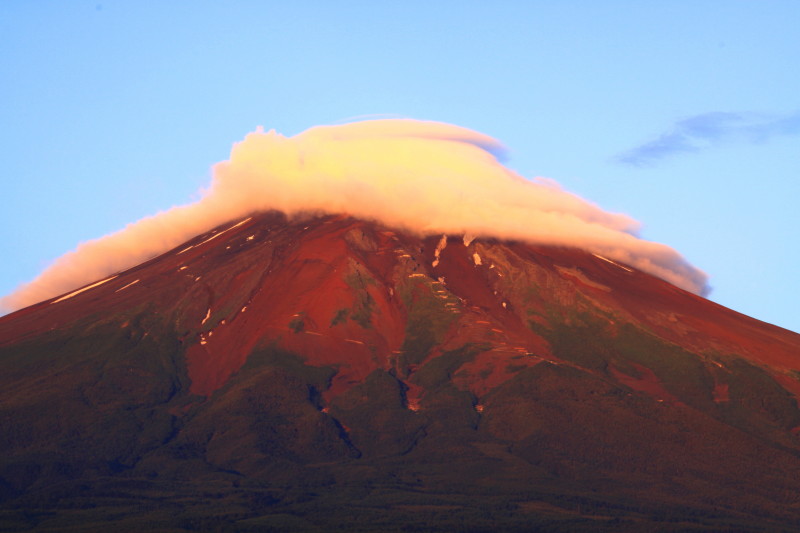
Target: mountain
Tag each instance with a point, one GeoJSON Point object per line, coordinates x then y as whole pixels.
{"type": "Point", "coordinates": [332, 374]}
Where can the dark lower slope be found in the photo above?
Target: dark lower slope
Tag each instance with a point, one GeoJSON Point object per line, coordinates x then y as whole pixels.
{"type": "Point", "coordinates": [334, 375]}
{"type": "Point", "coordinates": [554, 447]}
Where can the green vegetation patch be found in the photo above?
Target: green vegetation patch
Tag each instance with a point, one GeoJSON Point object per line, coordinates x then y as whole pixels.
{"type": "Point", "coordinates": [297, 323]}
{"type": "Point", "coordinates": [106, 405]}
{"type": "Point", "coordinates": [340, 317]}
{"type": "Point", "coordinates": [439, 370]}
{"type": "Point", "coordinates": [318, 377]}
{"type": "Point", "coordinates": [592, 342]}
{"type": "Point", "coordinates": [376, 418]}
{"type": "Point", "coordinates": [682, 373]}
{"type": "Point", "coordinates": [428, 317]}
{"type": "Point", "coordinates": [359, 279]}
{"type": "Point", "coordinates": [757, 399]}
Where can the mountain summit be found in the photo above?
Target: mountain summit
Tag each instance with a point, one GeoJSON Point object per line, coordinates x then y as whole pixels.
{"type": "Point", "coordinates": [419, 176]}
{"type": "Point", "coordinates": [321, 373]}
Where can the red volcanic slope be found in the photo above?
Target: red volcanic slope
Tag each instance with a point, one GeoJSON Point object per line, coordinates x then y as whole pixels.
{"type": "Point", "coordinates": [333, 374]}
{"type": "Point", "coordinates": [339, 292]}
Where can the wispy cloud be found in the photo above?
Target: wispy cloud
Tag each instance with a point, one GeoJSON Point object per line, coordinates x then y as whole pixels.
{"type": "Point", "coordinates": [707, 130]}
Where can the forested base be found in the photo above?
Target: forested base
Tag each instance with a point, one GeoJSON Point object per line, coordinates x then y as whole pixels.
{"type": "Point", "coordinates": [228, 505]}
{"type": "Point", "coordinates": [555, 448]}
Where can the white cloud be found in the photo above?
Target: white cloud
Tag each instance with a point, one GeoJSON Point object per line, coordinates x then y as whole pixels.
{"type": "Point", "coordinates": [424, 177]}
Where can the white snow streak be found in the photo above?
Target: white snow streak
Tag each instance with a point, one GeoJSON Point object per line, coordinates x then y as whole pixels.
{"type": "Point", "coordinates": [126, 286]}
{"type": "Point", "coordinates": [607, 260]}
{"type": "Point", "coordinates": [75, 293]}
{"type": "Point", "coordinates": [439, 247]}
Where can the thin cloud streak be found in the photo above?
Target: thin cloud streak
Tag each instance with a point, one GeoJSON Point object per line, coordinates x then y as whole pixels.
{"type": "Point", "coordinates": [423, 177]}
{"type": "Point", "coordinates": [709, 130]}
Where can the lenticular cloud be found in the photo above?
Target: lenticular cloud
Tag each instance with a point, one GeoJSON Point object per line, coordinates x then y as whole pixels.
{"type": "Point", "coordinates": [424, 177]}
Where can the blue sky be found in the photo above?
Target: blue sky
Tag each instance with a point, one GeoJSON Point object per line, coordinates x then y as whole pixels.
{"type": "Point", "coordinates": [684, 115]}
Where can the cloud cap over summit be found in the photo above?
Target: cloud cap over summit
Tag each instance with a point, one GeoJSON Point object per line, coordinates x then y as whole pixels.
{"type": "Point", "coordinates": [420, 176]}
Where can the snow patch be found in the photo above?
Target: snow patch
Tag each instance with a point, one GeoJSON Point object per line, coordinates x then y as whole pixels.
{"type": "Point", "coordinates": [208, 315]}
{"type": "Point", "coordinates": [75, 293]}
{"type": "Point", "coordinates": [439, 247]}
{"type": "Point", "coordinates": [477, 259]}
{"type": "Point", "coordinates": [126, 286]}
{"type": "Point", "coordinates": [468, 238]}
{"type": "Point", "coordinates": [607, 260]}
{"type": "Point", "coordinates": [218, 234]}
{"type": "Point", "coordinates": [240, 223]}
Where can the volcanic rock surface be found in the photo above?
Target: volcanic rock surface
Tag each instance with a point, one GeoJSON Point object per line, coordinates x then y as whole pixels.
{"type": "Point", "coordinates": [328, 373]}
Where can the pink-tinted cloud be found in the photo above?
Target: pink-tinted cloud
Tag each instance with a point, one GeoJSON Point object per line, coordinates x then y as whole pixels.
{"type": "Point", "coordinates": [424, 177]}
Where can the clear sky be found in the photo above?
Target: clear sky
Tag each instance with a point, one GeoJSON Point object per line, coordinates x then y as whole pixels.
{"type": "Point", "coordinates": [682, 114]}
